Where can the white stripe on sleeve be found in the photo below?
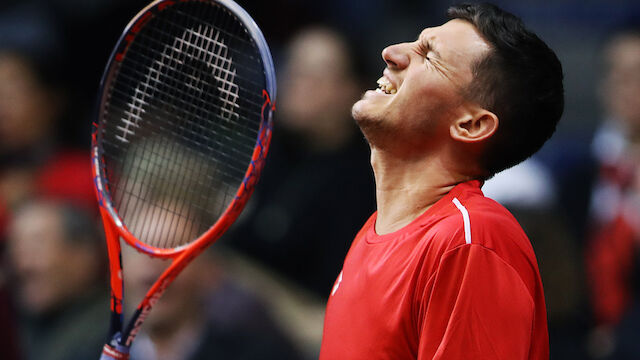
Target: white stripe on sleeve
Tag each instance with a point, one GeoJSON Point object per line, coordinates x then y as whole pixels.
{"type": "Point", "coordinates": [465, 218]}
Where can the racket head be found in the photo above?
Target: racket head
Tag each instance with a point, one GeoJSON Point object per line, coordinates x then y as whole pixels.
{"type": "Point", "coordinates": [239, 87]}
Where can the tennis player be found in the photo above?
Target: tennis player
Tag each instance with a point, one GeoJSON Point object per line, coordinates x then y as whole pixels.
{"type": "Point", "coordinates": [440, 271]}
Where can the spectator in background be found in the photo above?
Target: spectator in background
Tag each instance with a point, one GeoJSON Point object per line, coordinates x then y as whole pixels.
{"type": "Point", "coordinates": [613, 255]}
{"type": "Point", "coordinates": [202, 315]}
{"type": "Point", "coordinates": [26, 118]}
{"type": "Point", "coordinates": [30, 161]}
{"type": "Point", "coordinates": [56, 258]}
{"type": "Point", "coordinates": [317, 163]}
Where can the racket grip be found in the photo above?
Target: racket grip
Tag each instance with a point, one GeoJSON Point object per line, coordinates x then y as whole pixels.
{"type": "Point", "coordinates": [117, 353]}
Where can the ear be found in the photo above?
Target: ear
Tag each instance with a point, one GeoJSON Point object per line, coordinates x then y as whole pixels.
{"type": "Point", "coordinates": [475, 126]}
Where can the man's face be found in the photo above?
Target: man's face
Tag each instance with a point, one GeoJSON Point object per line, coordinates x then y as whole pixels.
{"type": "Point", "coordinates": [622, 82]}
{"type": "Point", "coordinates": [424, 82]}
{"type": "Point", "coordinates": [50, 271]}
{"type": "Point", "coordinates": [25, 110]}
{"type": "Point", "coordinates": [316, 90]}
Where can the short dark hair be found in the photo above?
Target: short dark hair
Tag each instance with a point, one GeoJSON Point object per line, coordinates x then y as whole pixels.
{"type": "Point", "coordinates": [519, 80]}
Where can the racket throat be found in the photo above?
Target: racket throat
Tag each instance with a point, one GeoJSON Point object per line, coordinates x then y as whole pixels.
{"type": "Point", "coordinates": [143, 310]}
{"type": "Point", "coordinates": [134, 326]}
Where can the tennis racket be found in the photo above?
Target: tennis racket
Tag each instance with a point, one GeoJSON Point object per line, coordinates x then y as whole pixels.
{"type": "Point", "coordinates": [183, 126]}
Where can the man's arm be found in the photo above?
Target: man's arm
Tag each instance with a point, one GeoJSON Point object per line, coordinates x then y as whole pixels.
{"type": "Point", "coordinates": [475, 306]}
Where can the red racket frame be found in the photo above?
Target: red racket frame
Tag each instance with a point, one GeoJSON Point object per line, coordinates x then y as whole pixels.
{"type": "Point", "coordinates": [120, 339]}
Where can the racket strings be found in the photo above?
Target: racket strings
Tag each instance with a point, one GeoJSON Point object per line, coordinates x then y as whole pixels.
{"type": "Point", "coordinates": [187, 111]}
{"type": "Point", "coordinates": [180, 123]}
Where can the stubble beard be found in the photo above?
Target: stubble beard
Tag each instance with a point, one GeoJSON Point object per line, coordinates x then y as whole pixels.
{"type": "Point", "coordinates": [392, 137]}
{"type": "Point", "coordinates": [374, 128]}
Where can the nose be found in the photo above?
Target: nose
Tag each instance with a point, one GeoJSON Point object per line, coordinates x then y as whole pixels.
{"type": "Point", "coordinates": [396, 56]}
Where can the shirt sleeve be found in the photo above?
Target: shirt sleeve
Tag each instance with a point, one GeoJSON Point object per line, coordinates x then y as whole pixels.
{"type": "Point", "coordinates": [475, 306]}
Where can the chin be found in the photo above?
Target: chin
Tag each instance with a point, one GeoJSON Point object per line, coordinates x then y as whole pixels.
{"type": "Point", "coordinates": [357, 111]}
{"type": "Point", "coordinates": [372, 126]}
{"type": "Point", "coordinates": [364, 113]}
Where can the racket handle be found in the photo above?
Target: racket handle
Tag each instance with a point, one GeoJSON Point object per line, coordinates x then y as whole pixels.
{"type": "Point", "coordinates": [118, 353]}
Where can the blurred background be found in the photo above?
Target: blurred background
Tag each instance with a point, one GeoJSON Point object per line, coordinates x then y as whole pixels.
{"type": "Point", "coordinates": [260, 292]}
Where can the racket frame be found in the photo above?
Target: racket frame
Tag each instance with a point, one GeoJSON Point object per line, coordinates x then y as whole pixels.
{"type": "Point", "coordinates": [119, 338]}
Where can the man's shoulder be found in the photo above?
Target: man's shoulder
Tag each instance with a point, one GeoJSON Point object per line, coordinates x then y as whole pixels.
{"type": "Point", "coordinates": [485, 211]}
{"type": "Point", "coordinates": [483, 221]}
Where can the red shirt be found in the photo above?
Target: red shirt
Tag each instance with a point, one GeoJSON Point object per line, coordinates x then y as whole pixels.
{"type": "Point", "coordinates": [459, 282]}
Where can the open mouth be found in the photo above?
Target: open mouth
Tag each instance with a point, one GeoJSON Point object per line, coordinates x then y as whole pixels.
{"type": "Point", "coordinates": [385, 86]}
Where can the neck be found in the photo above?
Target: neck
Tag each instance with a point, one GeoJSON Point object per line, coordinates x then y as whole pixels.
{"type": "Point", "coordinates": [406, 188]}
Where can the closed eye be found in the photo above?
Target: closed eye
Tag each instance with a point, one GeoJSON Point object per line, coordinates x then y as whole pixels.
{"type": "Point", "coordinates": [424, 51]}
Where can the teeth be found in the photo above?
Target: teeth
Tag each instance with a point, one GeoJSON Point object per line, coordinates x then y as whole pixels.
{"type": "Point", "coordinates": [385, 86]}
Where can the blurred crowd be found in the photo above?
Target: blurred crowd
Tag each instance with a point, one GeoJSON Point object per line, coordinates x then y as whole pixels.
{"type": "Point", "coordinates": [260, 292]}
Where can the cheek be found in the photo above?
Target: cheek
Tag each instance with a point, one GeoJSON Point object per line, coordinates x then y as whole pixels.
{"type": "Point", "coordinates": [43, 290]}
{"type": "Point", "coordinates": [427, 102]}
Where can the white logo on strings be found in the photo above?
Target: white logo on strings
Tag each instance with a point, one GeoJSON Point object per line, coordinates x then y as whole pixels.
{"type": "Point", "coordinates": [203, 44]}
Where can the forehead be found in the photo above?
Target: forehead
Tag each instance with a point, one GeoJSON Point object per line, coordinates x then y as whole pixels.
{"type": "Point", "coordinates": [40, 214]}
{"type": "Point", "coordinates": [624, 52]}
{"type": "Point", "coordinates": [14, 70]}
{"type": "Point", "coordinates": [36, 225]}
{"type": "Point", "coordinates": [457, 41]}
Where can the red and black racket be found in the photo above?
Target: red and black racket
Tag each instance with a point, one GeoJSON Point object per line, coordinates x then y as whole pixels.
{"type": "Point", "coordinates": [183, 128]}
